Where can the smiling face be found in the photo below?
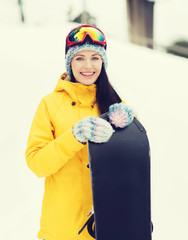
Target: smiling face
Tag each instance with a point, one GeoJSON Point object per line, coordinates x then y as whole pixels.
{"type": "Point", "coordinates": [86, 66]}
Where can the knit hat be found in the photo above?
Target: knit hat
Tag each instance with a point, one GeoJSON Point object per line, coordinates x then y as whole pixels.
{"type": "Point", "coordinates": [86, 46]}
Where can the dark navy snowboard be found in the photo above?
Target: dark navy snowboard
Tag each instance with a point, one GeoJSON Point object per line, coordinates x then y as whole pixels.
{"type": "Point", "coordinates": [120, 176]}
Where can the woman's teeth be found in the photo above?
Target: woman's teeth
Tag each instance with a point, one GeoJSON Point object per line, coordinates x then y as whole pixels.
{"type": "Point", "coordinates": [87, 74]}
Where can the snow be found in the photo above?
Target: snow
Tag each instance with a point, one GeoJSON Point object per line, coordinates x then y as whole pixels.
{"type": "Point", "coordinates": [155, 84]}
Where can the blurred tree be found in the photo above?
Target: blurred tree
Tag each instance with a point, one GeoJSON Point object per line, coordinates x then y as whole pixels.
{"type": "Point", "coordinates": [20, 3]}
{"type": "Point", "coordinates": [84, 17]}
{"type": "Point", "coordinates": [140, 22]}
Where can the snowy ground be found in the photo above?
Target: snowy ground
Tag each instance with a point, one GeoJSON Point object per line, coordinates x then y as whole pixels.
{"type": "Point", "coordinates": [32, 59]}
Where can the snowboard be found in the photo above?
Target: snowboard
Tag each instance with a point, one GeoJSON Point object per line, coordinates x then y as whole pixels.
{"type": "Point", "coordinates": [120, 177]}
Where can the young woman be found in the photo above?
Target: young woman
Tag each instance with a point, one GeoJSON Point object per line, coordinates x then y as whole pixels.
{"type": "Point", "coordinates": [64, 121]}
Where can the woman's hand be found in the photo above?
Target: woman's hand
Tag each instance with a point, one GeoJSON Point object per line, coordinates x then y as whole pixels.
{"type": "Point", "coordinates": [94, 129]}
{"type": "Point", "coordinates": [120, 115]}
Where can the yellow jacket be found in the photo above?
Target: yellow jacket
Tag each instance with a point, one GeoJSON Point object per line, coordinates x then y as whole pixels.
{"type": "Point", "coordinates": [53, 152]}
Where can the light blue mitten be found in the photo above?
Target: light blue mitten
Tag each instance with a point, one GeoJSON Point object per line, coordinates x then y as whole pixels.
{"type": "Point", "coordinates": [120, 115]}
{"type": "Point", "coordinates": [94, 129]}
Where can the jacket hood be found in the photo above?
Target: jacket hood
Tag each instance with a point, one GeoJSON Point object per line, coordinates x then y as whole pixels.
{"type": "Point", "coordinates": [77, 91]}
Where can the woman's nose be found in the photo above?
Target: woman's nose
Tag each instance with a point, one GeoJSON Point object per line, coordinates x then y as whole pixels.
{"type": "Point", "coordinates": [88, 64]}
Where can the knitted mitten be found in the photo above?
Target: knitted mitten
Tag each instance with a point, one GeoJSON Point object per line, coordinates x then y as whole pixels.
{"type": "Point", "coordinates": [120, 115]}
{"type": "Point", "coordinates": [94, 129]}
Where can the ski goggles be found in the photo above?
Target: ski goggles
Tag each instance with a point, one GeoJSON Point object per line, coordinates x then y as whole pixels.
{"type": "Point", "coordinates": [78, 35]}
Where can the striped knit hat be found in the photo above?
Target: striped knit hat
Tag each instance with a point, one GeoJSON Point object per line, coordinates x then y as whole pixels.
{"type": "Point", "coordinates": [86, 46]}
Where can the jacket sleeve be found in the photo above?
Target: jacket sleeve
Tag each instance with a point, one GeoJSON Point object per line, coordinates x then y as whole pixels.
{"type": "Point", "coordinates": [123, 101]}
{"type": "Point", "coordinates": [45, 155]}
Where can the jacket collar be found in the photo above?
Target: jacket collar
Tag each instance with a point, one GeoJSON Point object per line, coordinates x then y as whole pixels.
{"type": "Point", "coordinates": [77, 91]}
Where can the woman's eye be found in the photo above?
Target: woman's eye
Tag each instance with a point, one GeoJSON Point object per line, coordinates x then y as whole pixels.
{"type": "Point", "coordinates": [95, 58]}
{"type": "Point", "coordinates": [79, 59]}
